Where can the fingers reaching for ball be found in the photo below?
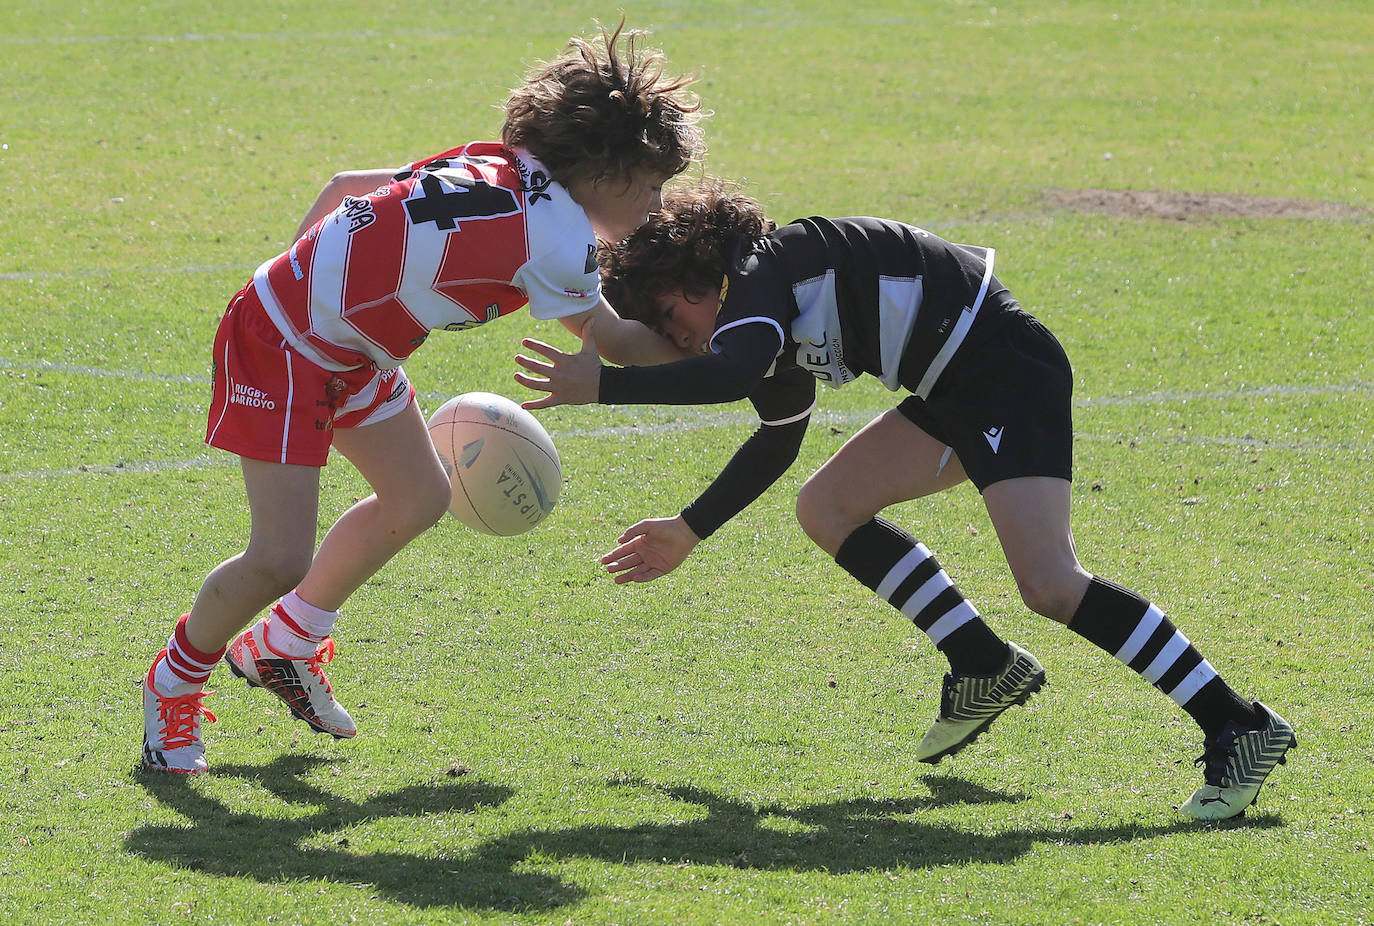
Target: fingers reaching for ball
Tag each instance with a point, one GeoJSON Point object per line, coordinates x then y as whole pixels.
{"type": "Point", "coordinates": [569, 379]}
{"type": "Point", "coordinates": [650, 550]}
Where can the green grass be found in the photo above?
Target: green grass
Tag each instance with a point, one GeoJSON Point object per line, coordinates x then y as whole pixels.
{"type": "Point", "coordinates": [730, 743]}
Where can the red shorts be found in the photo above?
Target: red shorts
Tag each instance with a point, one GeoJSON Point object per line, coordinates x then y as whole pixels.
{"type": "Point", "coordinates": [270, 403]}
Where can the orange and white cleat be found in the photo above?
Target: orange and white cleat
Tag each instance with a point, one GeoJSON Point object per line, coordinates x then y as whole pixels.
{"type": "Point", "coordinates": [301, 683]}
{"type": "Point", "coordinates": [171, 728]}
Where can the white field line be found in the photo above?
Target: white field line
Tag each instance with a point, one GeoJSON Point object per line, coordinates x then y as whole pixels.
{"type": "Point", "coordinates": [135, 376]}
{"type": "Point", "coordinates": [1143, 398]}
{"type": "Point", "coordinates": [283, 36]}
{"type": "Point", "coordinates": [29, 276]}
{"type": "Point", "coordinates": [707, 420]}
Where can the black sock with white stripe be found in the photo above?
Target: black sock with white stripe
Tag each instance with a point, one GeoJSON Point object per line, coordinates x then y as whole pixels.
{"type": "Point", "coordinates": [903, 573]}
{"type": "Point", "coordinates": [1137, 633]}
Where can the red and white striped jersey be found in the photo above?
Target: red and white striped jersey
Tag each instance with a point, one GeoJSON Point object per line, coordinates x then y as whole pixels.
{"type": "Point", "coordinates": [452, 241]}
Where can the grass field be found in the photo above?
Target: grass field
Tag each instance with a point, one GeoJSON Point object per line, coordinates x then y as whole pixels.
{"type": "Point", "coordinates": [731, 743]}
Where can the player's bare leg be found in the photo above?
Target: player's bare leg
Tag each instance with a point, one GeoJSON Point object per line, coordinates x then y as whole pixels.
{"type": "Point", "coordinates": [410, 495]}
{"type": "Point", "coordinates": [887, 461]}
{"type": "Point", "coordinates": [285, 652]}
{"type": "Point", "coordinates": [1031, 517]}
{"type": "Point", "coordinates": [1243, 741]}
{"type": "Point", "coordinates": [892, 460]}
{"type": "Point", "coordinates": [283, 502]}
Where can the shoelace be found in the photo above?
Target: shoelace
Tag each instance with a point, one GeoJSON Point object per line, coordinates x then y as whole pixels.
{"type": "Point", "coordinates": [1216, 759]}
{"type": "Point", "coordinates": [322, 655]}
{"type": "Point", "coordinates": [948, 692]}
{"type": "Point", "coordinates": [180, 718]}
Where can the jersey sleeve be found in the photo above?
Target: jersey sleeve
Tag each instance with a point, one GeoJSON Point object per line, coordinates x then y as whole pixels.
{"type": "Point", "coordinates": [561, 277]}
{"type": "Point", "coordinates": [744, 354]}
{"type": "Point", "coordinates": [768, 453]}
{"type": "Point", "coordinates": [556, 292]}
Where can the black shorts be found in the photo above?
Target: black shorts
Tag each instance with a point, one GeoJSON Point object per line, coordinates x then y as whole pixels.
{"type": "Point", "coordinates": [1003, 404]}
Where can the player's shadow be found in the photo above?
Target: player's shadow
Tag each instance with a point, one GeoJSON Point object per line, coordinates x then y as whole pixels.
{"type": "Point", "coordinates": [707, 829]}
{"type": "Point", "coordinates": [221, 840]}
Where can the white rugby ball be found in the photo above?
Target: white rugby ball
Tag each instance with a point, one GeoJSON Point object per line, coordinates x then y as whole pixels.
{"type": "Point", "coordinates": [501, 463]}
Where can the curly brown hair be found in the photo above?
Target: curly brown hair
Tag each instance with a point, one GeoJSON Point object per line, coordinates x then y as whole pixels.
{"type": "Point", "coordinates": [605, 109]}
{"type": "Point", "coordinates": [686, 247]}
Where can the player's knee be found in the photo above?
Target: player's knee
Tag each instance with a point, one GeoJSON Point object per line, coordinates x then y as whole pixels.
{"type": "Point", "coordinates": [434, 504]}
{"type": "Point", "coordinates": [427, 502]}
{"type": "Point", "coordinates": [810, 510]}
{"type": "Point", "coordinates": [824, 517]}
{"type": "Point", "coordinates": [1051, 596]}
{"type": "Point", "coordinates": [278, 571]}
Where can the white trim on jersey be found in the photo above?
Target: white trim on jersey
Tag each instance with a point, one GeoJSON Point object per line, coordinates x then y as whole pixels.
{"type": "Point", "coordinates": [228, 394]}
{"type": "Point", "coordinates": [782, 421]}
{"type": "Point", "coordinates": [782, 335]}
{"type": "Point", "coordinates": [956, 337]}
{"type": "Point", "coordinates": [899, 302]}
{"type": "Point", "coordinates": [295, 340]}
{"type": "Point", "coordinates": [817, 330]}
{"type": "Point", "coordinates": [290, 396]}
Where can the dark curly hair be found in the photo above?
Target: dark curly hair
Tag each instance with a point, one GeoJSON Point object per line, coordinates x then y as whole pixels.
{"type": "Point", "coordinates": [686, 247]}
{"type": "Point", "coordinates": [605, 109]}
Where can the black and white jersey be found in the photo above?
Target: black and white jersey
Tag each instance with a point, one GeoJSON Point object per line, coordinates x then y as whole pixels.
{"type": "Point", "coordinates": [835, 298]}
{"type": "Point", "coordinates": [820, 300]}
{"type": "Point", "coordinates": [861, 295]}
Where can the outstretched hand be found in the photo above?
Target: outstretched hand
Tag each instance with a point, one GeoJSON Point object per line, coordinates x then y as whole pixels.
{"type": "Point", "coordinates": [569, 379]}
{"type": "Point", "coordinates": [650, 549]}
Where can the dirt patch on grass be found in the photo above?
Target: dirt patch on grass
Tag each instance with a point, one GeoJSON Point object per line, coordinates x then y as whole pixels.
{"type": "Point", "coordinates": [1193, 207]}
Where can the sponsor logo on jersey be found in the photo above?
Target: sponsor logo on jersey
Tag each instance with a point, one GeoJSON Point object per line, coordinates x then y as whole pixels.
{"type": "Point", "coordinates": [253, 398]}
{"type": "Point", "coordinates": [358, 212]}
{"type": "Point", "coordinates": [539, 184]}
{"type": "Point", "coordinates": [994, 437]}
{"type": "Point", "coordinates": [463, 325]}
{"type": "Point", "coordinates": [489, 313]}
{"type": "Point", "coordinates": [534, 183]}
{"type": "Point", "coordinates": [590, 265]}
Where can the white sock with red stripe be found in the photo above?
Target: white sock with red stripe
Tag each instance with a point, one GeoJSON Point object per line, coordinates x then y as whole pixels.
{"type": "Point", "coordinates": [297, 627]}
{"type": "Point", "coordinates": [186, 669]}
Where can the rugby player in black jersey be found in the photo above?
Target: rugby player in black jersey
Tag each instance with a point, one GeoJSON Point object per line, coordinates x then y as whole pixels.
{"type": "Point", "coordinates": [764, 313]}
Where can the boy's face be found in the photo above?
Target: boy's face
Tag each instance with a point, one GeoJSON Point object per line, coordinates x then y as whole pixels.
{"type": "Point", "coordinates": [617, 206]}
{"type": "Point", "coordinates": [688, 323]}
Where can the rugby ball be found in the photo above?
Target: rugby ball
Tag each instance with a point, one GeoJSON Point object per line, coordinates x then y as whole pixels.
{"type": "Point", "coordinates": [502, 466]}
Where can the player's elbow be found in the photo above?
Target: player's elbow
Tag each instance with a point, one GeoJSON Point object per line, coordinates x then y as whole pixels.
{"type": "Point", "coordinates": [734, 388]}
{"type": "Point", "coordinates": [354, 183]}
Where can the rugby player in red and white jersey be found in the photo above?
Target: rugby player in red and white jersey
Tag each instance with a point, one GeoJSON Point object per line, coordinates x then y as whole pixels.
{"type": "Point", "coordinates": [308, 356]}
